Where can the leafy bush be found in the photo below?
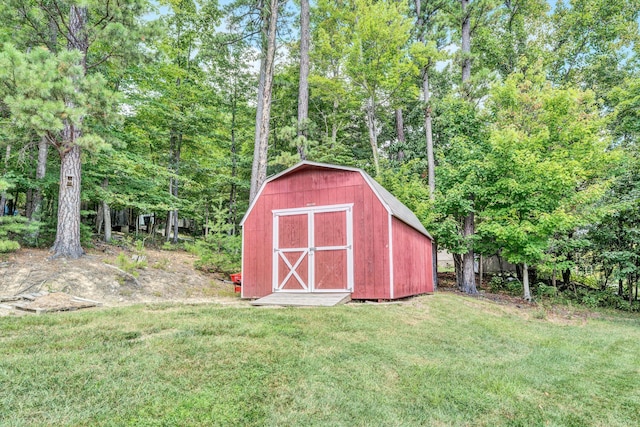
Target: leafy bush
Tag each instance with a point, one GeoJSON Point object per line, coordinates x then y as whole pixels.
{"type": "Point", "coordinates": [15, 229]}
{"type": "Point", "coordinates": [508, 284]}
{"type": "Point", "coordinates": [543, 290]}
{"type": "Point", "coordinates": [219, 253]}
{"type": "Point", "coordinates": [590, 281]}
{"type": "Point", "coordinates": [595, 298]}
{"type": "Point", "coordinates": [8, 246]}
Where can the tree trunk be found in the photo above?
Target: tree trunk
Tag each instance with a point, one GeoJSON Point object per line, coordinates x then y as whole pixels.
{"type": "Point", "coordinates": [176, 170]}
{"type": "Point", "coordinates": [373, 132]}
{"type": "Point", "coordinates": [303, 87]}
{"type": "Point", "coordinates": [426, 96]}
{"type": "Point", "coordinates": [106, 213]}
{"type": "Point", "coordinates": [457, 265]}
{"type": "Point", "coordinates": [175, 142]}
{"type": "Point", "coordinates": [256, 154]}
{"type": "Point", "coordinates": [174, 217]}
{"type": "Point", "coordinates": [167, 226]}
{"type": "Point", "coordinates": [28, 204]}
{"type": "Point", "coordinates": [67, 241]}
{"type": "Point", "coordinates": [469, 279]}
{"type": "Point", "coordinates": [263, 114]}
{"type": "Point", "coordinates": [99, 218]}
{"type": "Point", "coordinates": [154, 225]}
{"type": "Point", "coordinates": [466, 42]}
{"type": "Point", "coordinates": [233, 203]}
{"type": "Point", "coordinates": [525, 282]}
{"type": "Point", "coordinates": [400, 133]}
{"type": "Point", "coordinates": [566, 277]}
{"type": "Point", "coordinates": [620, 288]}
{"type": "Point", "coordinates": [3, 196]}
{"type": "Point", "coordinates": [334, 125]}
{"type": "Point", "coordinates": [41, 171]}
{"type": "Point", "coordinates": [431, 163]}
{"type": "Point", "coordinates": [469, 276]}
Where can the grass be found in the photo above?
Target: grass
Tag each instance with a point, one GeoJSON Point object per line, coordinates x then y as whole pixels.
{"type": "Point", "coordinates": [437, 360]}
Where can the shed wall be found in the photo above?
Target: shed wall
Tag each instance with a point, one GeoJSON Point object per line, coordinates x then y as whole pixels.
{"type": "Point", "coordinates": [412, 261]}
{"type": "Point", "coordinates": [319, 187]}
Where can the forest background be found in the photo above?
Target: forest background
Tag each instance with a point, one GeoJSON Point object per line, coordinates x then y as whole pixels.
{"type": "Point", "coordinates": [510, 127]}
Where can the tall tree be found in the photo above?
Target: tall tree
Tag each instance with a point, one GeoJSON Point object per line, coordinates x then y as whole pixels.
{"type": "Point", "coordinates": [547, 160]}
{"type": "Point", "coordinates": [82, 31]}
{"type": "Point", "coordinates": [263, 114]}
{"type": "Point", "coordinates": [378, 63]}
{"type": "Point", "coordinates": [468, 228]}
{"type": "Point", "coordinates": [430, 36]}
{"type": "Point", "coordinates": [67, 241]}
{"type": "Point", "coordinates": [303, 87]}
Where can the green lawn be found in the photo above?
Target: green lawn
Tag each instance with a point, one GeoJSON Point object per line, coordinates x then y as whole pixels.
{"type": "Point", "coordinates": [435, 360]}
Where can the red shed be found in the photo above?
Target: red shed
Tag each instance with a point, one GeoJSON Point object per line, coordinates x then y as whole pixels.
{"type": "Point", "coordinates": [323, 228]}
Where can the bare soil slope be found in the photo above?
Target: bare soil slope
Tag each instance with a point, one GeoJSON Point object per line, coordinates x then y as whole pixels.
{"type": "Point", "coordinates": [168, 276]}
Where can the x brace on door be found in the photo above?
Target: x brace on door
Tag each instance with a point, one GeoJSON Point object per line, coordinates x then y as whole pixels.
{"type": "Point", "coordinates": [292, 268]}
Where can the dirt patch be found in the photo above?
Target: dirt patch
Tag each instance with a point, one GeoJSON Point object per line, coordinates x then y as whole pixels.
{"type": "Point", "coordinates": [169, 276]}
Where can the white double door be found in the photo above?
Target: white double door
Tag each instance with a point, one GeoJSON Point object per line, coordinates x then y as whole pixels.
{"type": "Point", "coordinates": [313, 249]}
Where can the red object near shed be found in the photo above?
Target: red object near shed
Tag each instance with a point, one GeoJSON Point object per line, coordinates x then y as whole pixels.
{"type": "Point", "coordinates": [324, 228]}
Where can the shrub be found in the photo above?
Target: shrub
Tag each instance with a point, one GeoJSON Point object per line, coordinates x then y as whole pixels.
{"type": "Point", "coordinates": [15, 229]}
{"type": "Point", "coordinates": [508, 284]}
{"type": "Point", "coordinates": [543, 290]}
{"type": "Point", "coordinates": [8, 246]}
{"type": "Point", "coordinates": [590, 281]}
{"type": "Point", "coordinates": [220, 253]}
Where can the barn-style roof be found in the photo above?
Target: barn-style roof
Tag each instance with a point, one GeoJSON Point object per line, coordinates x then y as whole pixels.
{"type": "Point", "coordinates": [388, 200]}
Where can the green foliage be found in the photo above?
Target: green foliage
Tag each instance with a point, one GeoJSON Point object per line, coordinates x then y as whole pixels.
{"type": "Point", "coordinates": [546, 162]}
{"type": "Point", "coordinates": [614, 238]}
{"type": "Point", "coordinates": [168, 246]}
{"type": "Point", "coordinates": [44, 90]}
{"type": "Point", "coordinates": [406, 184]}
{"type": "Point", "coordinates": [219, 253]}
{"type": "Point", "coordinates": [592, 41]}
{"type": "Point", "coordinates": [506, 284]}
{"type": "Point", "coordinates": [545, 291]}
{"type": "Point", "coordinates": [9, 246]}
{"type": "Point", "coordinates": [131, 264]}
{"type": "Point", "coordinates": [15, 228]}
{"type": "Point", "coordinates": [460, 174]}
{"type": "Point", "coordinates": [600, 298]}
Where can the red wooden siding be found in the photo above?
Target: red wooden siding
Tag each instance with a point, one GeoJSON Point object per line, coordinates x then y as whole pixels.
{"type": "Point", "coordinates": [412, 261]}
{"type": "Point", "coordinates": [319, 187]}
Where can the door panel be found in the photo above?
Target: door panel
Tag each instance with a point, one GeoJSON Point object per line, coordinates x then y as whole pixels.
{"type": "Point", "coordinates": [330, 229]}
{"type": "Point", "coordinates": [293, 231]}
{"type": "Point", "coordinates": [330, 269]}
